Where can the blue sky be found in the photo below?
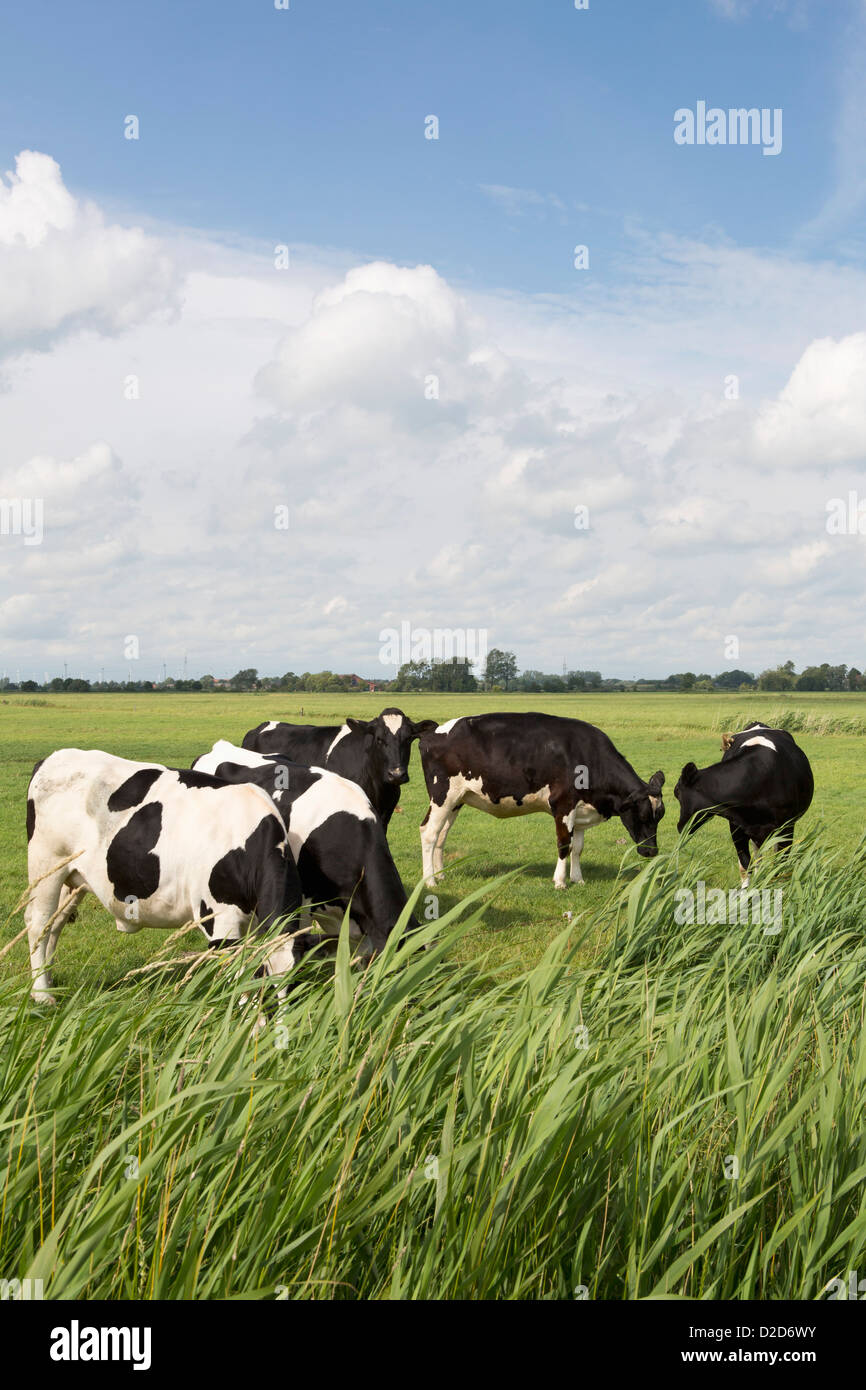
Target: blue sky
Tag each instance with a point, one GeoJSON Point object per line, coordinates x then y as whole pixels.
{"type": "Point", "coordinates": [306, 125]}
{"type": "Point", "coordinates": [166, 386]}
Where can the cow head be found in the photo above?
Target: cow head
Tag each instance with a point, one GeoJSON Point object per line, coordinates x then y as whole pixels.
{"type": "Point", "coordinates": [641, 812]}
{"type": "Point", "coordinates": [388, 741]}
{"type": "Point", "coordinates": [693, 803]}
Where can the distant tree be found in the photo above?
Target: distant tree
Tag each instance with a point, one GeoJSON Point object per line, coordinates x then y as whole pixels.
{"type": "Point", "coordinates": [812, 678]}
{"type": "Point", "coordinates": [855, 679]}
{"type": "Point", "coordinates": [452, 675]}
{"type": "Point", "coordinates": [413, 675]}
{"type": "Point", "coordinates": [583, 680]}
{"type": "Point", "coordinates": [779, 678]}
{"type": "Point", "coordinates": [501, 667]}
{"type": "Point", "coordinates": [530, 681]}
{"type": "Point", "coordinates": [29, 685]}
{"type": "Point", "coordinates": [207, 683]}
{"type": "Point", "coordinates": [244, 680]}
{"type": "Point", "coordinates": [734, 680]}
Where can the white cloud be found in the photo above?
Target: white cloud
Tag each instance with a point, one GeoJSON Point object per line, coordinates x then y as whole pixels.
{"type": "Point", "coordinates": [819, 417]}
{"type": "Point", "coordinates": [308, 390]}
{"type": "Point", "coordinates": [516, 202]}
{"type": "Point", "coordinates": [63, 268]}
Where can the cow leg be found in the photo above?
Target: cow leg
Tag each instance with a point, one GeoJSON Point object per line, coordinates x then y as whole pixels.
{"type": "Point", "coordinates": [45, 917]}
{"type": "Point", "coordinates": [563, 849]}
{"type": "Point", "coordinates": [434, 831]}
{"type": "Point", "coordinates": [439, 850]}
{"type": "Point", "coordinates": [741, 845]}
{"type": "Point", "coordinates": [576, 851]}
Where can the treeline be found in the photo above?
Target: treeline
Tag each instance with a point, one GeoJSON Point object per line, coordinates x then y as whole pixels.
{"type": "Point", "coordinates": [500, 675]}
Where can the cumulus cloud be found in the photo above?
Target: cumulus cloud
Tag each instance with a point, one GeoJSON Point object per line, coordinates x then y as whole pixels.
{"type": "Point", "coordinates": [63, 268]}
{"type": "Point", "coordinates": [431, 448]}
{"type": "Point", "coordinates": [819, 417]}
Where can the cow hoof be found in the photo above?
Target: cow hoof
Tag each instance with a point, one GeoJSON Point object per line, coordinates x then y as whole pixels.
{"type": "Point", "coordinates": [559, 885]}
{"type": "Point", "coordinates": [43, 998]}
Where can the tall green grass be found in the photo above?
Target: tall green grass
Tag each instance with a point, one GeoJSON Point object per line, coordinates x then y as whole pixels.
{"type": "Point", "coordinates": [427, 1129]}
{"type": "Point", "coordinates": [794, 720]}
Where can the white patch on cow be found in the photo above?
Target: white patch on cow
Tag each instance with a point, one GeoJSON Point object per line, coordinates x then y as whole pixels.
{"type": "Point", "coordinates": [764, 742]}
{"type": "Point", "coordinates": [582, 816]}
{"type": "Point", "coordinates": [225, 752]}
{"type": "Point", "coordinates": [342, 734]}
{"type": "Point", "coordinates": [655, 802]}
{"type": "Point", "coordinates": [269, 726]}
{"type": "Point", "coordinates": [446, 728]}
{"type": "Point", "coordinates": [507, 806]}
{"type": "Point", "coordinates": [560, 873]}
{"type": "Point", "coordinates": [394, 722]}
{"type": "Point", "coordinates": [329, 793]}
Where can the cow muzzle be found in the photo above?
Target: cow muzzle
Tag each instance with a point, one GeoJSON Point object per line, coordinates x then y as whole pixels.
{"type": "Point", "coordinates": [397, 776]}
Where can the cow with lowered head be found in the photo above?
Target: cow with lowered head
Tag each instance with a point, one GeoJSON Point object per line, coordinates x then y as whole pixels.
{"type": "Point", "coordinates": [159, 848]}
{"type": "Point", "coordinates": [761, 786]}
{"type": "Point", "coordinates": [515, 764]}
{"type": "Point", "coordinates": [372, 752]}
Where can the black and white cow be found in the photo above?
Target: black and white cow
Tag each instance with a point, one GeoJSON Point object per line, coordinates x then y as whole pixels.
{"type": "Point", "coordinates": [762, 785]}
{"type": "Point", "coordinates": [337, 840]}
{"type": "Point", "coordinates": [372, 752]}
{"type": "Point", "coordinates": [158, 847]}
{"type": "Point", "coordinates": [514, 764]}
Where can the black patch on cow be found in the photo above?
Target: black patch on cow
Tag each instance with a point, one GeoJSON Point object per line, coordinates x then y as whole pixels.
{"type": "Point", "coordinates": [31, 818]}
{"type": "Point", "coordinates": [203, 912]}
{"type": "Point", "coordinates": [190, 777]}
{"type": "Point", "coordinates": [233, 879]}
{"type": "Point", "coordinates": [132, 867]}
{"type": "Point", "coordinates": [133, 791]}
{"type": "Point", "coordinates": [36, 767]}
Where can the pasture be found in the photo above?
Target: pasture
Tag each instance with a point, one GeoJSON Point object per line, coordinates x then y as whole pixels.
{"type": "Point", "coordinates": [651, 731]}
{"type": "Point", "coordinates": [538, 1107]}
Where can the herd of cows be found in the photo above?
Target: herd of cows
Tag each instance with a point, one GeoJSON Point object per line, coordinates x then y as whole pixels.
{"type": "Point", "coordinates": [293, 824]}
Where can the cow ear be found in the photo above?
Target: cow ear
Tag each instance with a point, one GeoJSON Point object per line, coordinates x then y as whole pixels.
{"type": "Point", "coordinates": [656, 782]}
{"type": "Point", "coordinates": [359, 726]}
{"type": "Point", "coordinates": [689, 774]}
{"type": "Point", "coordinates": [423, 726]}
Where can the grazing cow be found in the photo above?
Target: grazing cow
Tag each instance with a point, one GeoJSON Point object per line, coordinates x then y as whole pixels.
{"type": "Point", "coordinates": [762, 785]}
{"type": "Point", "coordinates": [372, 752]}
{"type": "Point", "coordinates": [514, 764]}
{"type": "Point", "coordinates": [158, 847]}
{"type": "Point", "coordinates": [337, 840]}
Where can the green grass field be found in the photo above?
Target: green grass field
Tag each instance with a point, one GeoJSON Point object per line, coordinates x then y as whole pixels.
{"type": "Point", "coordinates": [618, 1106]}
{"type": "Point", "coordinates": [652, 731]}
